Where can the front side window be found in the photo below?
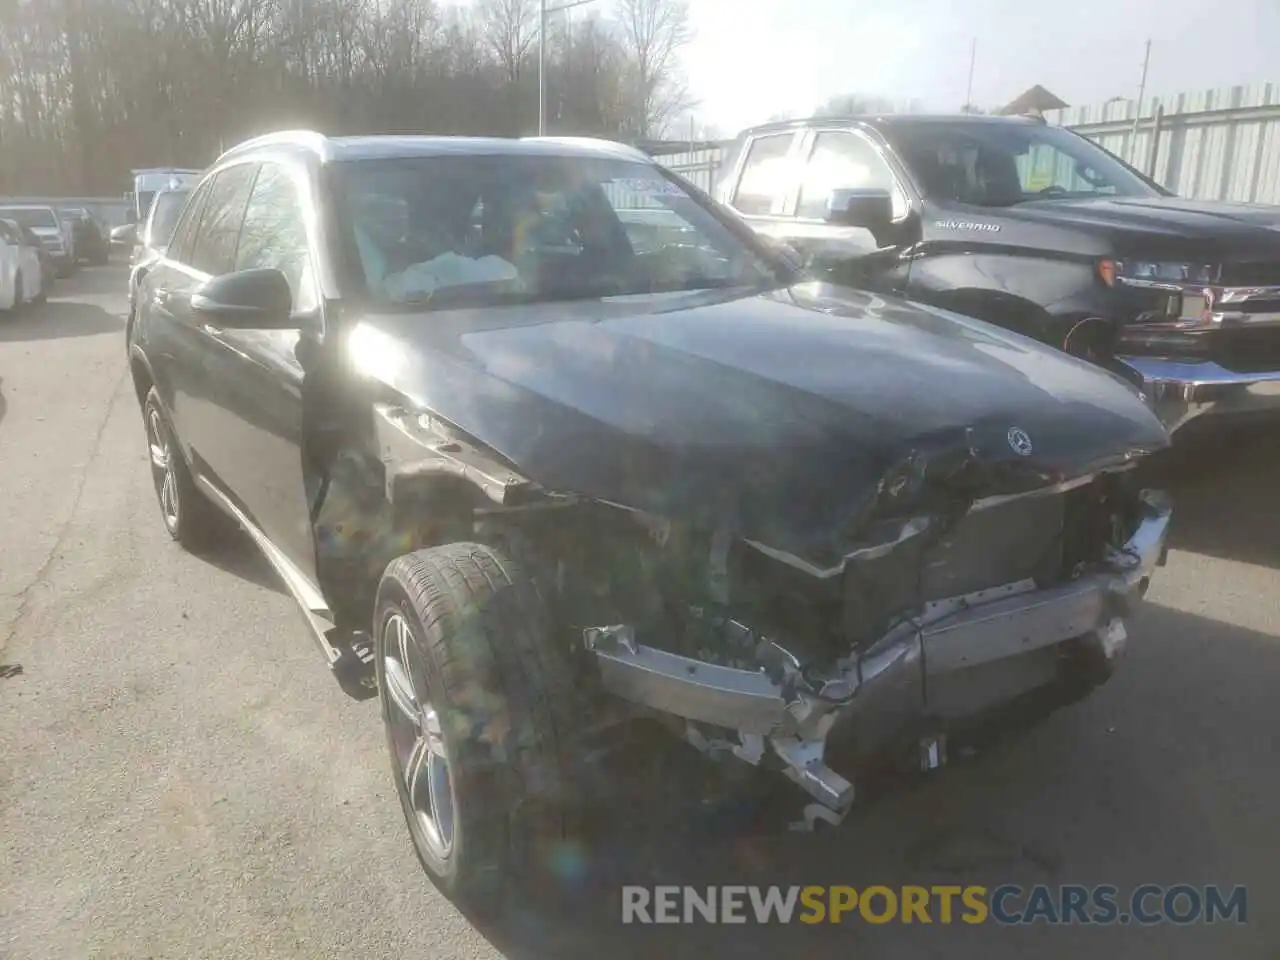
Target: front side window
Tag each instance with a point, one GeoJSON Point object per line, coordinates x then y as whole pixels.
{"type": "Point", "coordinates": [992, 164]}
{"type": "Point", "coordinates": [842, 160]}
{"type": "Point", "coordinates": [766, 174]}
{"type": "Point", "coordinates": [184, 231]}
{"type": "Point", "coordinates": [215, 243]}
{"type": "Point", "coordinates": [275, 234]}
{"type": "Point", "coordinates": [509, 228]}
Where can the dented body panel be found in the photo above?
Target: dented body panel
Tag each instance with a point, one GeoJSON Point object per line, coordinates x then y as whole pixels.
{"type": "Point", "coordinates": [769, 515]}
{"type": "Point", "coordinates": [779, 416]}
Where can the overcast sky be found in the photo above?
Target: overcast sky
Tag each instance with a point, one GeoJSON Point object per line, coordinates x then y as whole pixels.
{"type": "Point", "coordinates": [754, 58]}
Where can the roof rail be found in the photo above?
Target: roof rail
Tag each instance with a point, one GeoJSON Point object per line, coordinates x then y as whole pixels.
{"type": "Point", "coordinates": [592, 142]}
{"type": "Point", "coordinates": [303, 138]}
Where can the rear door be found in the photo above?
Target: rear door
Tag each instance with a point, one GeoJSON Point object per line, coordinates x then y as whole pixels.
{"type": "Point", "coordinates": [187, 352]}
{"type": "Point", "coordinates": [763, 185]}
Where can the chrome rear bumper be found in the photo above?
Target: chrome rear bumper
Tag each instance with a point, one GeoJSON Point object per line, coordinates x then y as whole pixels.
{"type": "Point", "coordinates": [1182, 390]}
{"type": "Point", "coordinates": [888, 682]}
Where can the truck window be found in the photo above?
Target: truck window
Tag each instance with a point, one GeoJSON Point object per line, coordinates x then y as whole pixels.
{"type": "Point", "coordinates": [766, 175]}
{"type": "Point", "coordinates": [1046, 168]}
{"type": "Point", "coordinates": [844, 161]}
{"type": "Point", "coordinates": [996, 165]}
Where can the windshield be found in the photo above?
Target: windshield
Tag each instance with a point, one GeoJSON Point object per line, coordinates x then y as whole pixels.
{"type": "Point", "coordinates": [997, 165]}
{"type": "Point", "coordinates": [502, 229]}
{"type": "Point", "coordinates": [30, 216]}
{"type": "Point", "coordinates": [164, 216]}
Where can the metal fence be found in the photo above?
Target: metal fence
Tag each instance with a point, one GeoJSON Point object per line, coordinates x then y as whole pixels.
{"type": "Point", "coordinates": [1221, 144]}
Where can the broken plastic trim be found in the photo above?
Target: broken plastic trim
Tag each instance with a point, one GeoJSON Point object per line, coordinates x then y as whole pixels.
{"type": "Point", "coordinates": [951, 635]}
{"type": "Point", "coordinates": [912, 528]}
{"type": "Point", "coordinates": [413, 446]}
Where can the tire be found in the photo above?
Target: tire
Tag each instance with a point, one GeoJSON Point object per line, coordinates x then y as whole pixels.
{"type": "Point", "coordinates": [461, 628]}
{"type": "Point", "coordinates": [19, 296]}
{"type": "Point", "coordinates": [188, 515]}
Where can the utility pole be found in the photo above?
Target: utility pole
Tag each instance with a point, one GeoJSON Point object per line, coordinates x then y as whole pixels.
{"type": "Point", "coordinates": [973, 59]}
{"type": "Point", "coordinates": [542, 67]}
{"type": "Point", "coordinates": [1137, 110]}
{"type": "Point", "coordinates": [543, 10]}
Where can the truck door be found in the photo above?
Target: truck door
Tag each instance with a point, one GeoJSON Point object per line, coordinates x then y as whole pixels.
{"type": "Point", "coordinates": [847, 159]}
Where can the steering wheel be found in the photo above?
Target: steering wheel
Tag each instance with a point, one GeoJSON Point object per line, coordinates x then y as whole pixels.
{"type": "Point", "coordinates": [1053, 190]}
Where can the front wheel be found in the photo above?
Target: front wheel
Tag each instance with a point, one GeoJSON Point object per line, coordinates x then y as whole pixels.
{"type": "Point", "coordinates": [477, 705]}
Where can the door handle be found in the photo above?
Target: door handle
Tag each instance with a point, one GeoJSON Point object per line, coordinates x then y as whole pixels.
{"type": "Point", "coordinates": [160, 297]}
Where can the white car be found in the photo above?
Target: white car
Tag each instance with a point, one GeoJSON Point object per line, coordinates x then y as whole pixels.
{"type": "Point", "coordinates": [44, 223]}
{"type": "Point", "coordinates": [21, 280]}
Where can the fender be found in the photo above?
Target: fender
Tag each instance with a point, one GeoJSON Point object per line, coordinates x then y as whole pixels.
{"type": "Point", "coordinates": [138, 358]}
{"type": "Point", "coordinates": [417, 449]}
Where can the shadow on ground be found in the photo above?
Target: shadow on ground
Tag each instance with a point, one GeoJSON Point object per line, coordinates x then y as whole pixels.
{"type": "Point", "coordinates": [59, 319]}
{"type": "Point", "coordinates": [108, 280]}
{"type": "Point", "coordinates": [237, 555]}
{"type": "Point", "coordinates": [1114, 790]}
{"type": "Point", "coordinates": [1224, 483]}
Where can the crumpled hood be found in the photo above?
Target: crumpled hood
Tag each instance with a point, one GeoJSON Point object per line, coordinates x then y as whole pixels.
{"type": "Point", "coordinates": [1202, 228]}
{"type": "Point", "coordinates": [778, 415]}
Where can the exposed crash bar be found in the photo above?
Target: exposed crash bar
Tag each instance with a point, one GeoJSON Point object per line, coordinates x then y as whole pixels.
{"type": "Point", "coordinates": [738, 699]}
{"type": "Point", "coordinates": [750, 702]}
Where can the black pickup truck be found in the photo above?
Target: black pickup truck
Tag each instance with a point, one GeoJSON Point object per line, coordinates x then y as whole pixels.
{"type": "Point", "coordinates": [1035, 228]}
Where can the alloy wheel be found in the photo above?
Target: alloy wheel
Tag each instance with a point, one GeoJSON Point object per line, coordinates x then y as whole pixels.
{"type": "Point", "coordinates": [163, 469]}
{"type": "Point", "coordinates": [417, 741]}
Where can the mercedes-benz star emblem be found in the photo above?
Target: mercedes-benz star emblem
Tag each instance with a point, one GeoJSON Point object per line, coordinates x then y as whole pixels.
{"type": "Point", "coordinates": [1020, 442]}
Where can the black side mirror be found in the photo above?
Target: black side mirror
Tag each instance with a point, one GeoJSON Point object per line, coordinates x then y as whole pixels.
{"type": "Point", "coordinates": [246, 300]}
{"type": "Point", "coordinates": [872, 209]}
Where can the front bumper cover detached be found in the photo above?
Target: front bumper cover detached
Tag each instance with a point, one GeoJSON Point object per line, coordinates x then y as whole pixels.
{"type": "Point", "coordinates": [769, 708]}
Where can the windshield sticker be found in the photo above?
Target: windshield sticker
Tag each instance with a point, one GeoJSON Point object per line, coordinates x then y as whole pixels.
{"type": "Point", "coordinates": [654, 188]}
{"type": "Point", "coordinates": [966, 225]}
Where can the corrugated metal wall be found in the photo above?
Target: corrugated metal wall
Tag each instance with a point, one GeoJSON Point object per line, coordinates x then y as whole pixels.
{"type": "Point", "coordinates": [1221, 144]}
{"type": "Point", "coordinates": [698, 167]}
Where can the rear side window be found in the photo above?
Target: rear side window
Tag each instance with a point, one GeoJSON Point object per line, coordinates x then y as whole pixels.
{"type": "Point", "coordinates": [215, 245]}
{"type": "Point", "coordinates": [766, 176]}
{"type": "Point", "coordinates": [184, 231]}
{"type": "Point", "coordinates": [165, 210]}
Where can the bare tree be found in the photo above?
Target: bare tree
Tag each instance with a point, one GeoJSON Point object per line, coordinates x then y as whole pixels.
{"type": "Point", "coordinates": [654, 31]}
{"type": "Point", "coordinates": [855, 104]}
{"type": "Point", "coordinates": [510, 28]}
{"type": "Point", "coordinates": [91, 88]}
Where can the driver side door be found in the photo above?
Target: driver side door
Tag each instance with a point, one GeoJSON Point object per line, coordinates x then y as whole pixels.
{"type": "Point", "coordinates": [257, 407]}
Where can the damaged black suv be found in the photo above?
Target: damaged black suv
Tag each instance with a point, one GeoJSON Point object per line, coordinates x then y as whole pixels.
{"type": "Point", "coordinates": [546, 441]}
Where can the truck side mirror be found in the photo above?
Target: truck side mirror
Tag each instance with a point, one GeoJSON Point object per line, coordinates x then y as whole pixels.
{"type": "Point", "coordinates": [872, 209]}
